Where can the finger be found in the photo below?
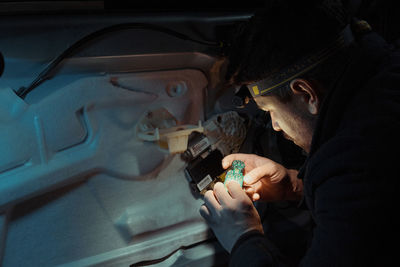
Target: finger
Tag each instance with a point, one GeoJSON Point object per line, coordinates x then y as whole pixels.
{"type": "Point", "coordinates": [250, 192]}
{"type": "Point", "coordinates": [256, 197]}
{"type": "Point", "coordinates": [211, 202]}
{"type": "Point", "coordinates": [268, 169]}
{"type": "Point", "coordinates": [205, 213]}
{"type": "Point", "coordinates": [276, 179]}
{"type": "Point", "coordinates": [235, 190]}
{"type": "Point", "coordinates": [254, 176]}
{"type": "Point", "coordinates": [227, 161]}
{"type": "Point", "coordinates": [221, 194]}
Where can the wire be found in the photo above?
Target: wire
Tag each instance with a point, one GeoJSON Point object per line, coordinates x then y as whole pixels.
{"type": "Point", "coordinates": [50, 70]}
{"type": "Point", "coordinates": [1, 64]}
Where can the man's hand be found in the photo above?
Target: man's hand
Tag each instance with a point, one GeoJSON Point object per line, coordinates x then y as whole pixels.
{"type": "Point", "coordinates": [229, 214]}
{"type": "Point", "coordinates": [267, 180]}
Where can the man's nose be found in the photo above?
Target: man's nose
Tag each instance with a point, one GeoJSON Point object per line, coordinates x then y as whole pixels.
{"type": "Point", "coordinates": [275, 124]}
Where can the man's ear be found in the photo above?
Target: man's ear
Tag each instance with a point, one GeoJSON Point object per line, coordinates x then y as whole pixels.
{"type": "Point", "coordinates": [307, 91]}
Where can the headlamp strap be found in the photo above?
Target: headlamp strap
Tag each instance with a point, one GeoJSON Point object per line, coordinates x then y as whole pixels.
{"type": "Point", "coordinates": [286, 74]}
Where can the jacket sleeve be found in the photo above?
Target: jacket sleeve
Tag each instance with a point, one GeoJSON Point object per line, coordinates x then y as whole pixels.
{"type": "Point", "coordinates": [351, 194]}
{"type": "Point", "coordinates": [254, 249]}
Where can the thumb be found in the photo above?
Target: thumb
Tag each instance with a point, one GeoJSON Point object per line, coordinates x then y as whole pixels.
{"type": "Point", "coordinates": [270, 169]}
{"type": "Point", "coordinates": [254, 175]}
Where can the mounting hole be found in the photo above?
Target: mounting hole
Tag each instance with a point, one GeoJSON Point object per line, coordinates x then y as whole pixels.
{"type": "Point", "coordinates": [176, 89]}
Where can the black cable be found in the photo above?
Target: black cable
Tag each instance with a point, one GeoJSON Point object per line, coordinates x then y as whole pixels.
{"type": "Point", "coordinates": [1, 64]}
{"type": "Point", "coordinates": [49, 71]}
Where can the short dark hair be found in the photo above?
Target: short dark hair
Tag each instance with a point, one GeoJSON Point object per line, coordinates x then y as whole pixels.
{"type": "Point", "coordinates": [282, 33]}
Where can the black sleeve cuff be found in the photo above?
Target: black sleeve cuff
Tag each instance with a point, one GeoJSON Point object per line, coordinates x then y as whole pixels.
{"type": "Point", "coordinates": [244, 237]}
{"type": "Point", "coordinates": [254, 249]}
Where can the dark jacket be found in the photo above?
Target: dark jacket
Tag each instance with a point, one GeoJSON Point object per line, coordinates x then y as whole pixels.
{"type": "Point", "coordinates": [350, 175]}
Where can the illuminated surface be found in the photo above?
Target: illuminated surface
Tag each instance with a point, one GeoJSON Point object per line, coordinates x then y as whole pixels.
{"type": "Point", "coordinates": [100, 195]}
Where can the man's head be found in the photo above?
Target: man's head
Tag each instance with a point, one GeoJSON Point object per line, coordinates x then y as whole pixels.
{"type": "Point", "coordinates": [281, 39]}
{"type": "Point", "coordinates": [295, 117]}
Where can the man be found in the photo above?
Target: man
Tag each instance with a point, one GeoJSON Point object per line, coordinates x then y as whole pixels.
{"type": "Point", "coordinates": [334, 90]}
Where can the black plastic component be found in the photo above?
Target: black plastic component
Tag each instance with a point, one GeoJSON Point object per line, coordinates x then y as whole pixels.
{"type": "Point", "coordinates": [203, 171]}
{"type": "Point", "coordinates": [197, 144]}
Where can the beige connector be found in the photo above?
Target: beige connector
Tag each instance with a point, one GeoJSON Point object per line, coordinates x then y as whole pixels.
{"type": "Point", "coordinates": [176, 137]}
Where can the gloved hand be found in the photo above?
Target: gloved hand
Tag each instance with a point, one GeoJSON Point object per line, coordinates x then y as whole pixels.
{"type": "Point", "coordinates": [229, 214]}
{"type": "Point", "coordinates": [267, 180]}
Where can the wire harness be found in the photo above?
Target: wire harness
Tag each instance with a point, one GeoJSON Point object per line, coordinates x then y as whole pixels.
{"type": "Point", "coordinates": [51, 68]}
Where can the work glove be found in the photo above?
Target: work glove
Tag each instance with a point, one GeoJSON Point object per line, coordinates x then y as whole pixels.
{"type": "Point", "coordinates": [230, 213]}
{"type": "Point", "coordinates": [267, 180]}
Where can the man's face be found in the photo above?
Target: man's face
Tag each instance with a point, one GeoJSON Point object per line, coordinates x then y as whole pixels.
{"type": "Point", "coordinates": [292, 118]}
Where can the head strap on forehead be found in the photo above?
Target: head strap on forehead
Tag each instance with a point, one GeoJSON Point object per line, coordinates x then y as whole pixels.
{"type": "Point", "coordinates": [288, 73]}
